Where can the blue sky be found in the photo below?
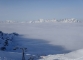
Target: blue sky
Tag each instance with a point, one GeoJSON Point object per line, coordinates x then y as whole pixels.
{"type": "Point", "coordinates": [36, 9]}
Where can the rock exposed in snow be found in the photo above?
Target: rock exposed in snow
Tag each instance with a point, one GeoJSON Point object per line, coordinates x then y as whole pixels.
{"type": "Point", "coordinates": [7, 41]}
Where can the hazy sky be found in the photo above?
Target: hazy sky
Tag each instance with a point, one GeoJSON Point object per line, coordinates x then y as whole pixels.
{"type": "Point", "coordinates": [36, 9]}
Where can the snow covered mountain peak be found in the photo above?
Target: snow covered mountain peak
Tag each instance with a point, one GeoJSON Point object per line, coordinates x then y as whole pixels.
{"type": "Point", "coordinates": [71, 20]}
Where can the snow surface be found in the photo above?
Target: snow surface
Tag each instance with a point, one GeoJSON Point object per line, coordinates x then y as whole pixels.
{"type": "Point", "coordinates": [75, 55]}
{"type": "Point", "coordinates": [55, 40]}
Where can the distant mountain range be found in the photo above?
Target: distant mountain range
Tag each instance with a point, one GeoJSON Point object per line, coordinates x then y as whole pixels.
{"type": "Point", "coordinates": [71, 20]}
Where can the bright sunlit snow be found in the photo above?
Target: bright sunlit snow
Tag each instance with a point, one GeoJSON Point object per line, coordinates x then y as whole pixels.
{"type": "Point", "coordinates": [76, 55]}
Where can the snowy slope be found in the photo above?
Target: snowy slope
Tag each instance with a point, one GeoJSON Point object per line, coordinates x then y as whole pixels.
{"type": "Point", "coordinates": [75, 55]}
{"type": "Point", "coordinates": [15, 56]}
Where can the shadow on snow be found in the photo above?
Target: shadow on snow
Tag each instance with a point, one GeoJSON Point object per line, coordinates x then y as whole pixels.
{"type": "Point", "coordinates": [39, 46]}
